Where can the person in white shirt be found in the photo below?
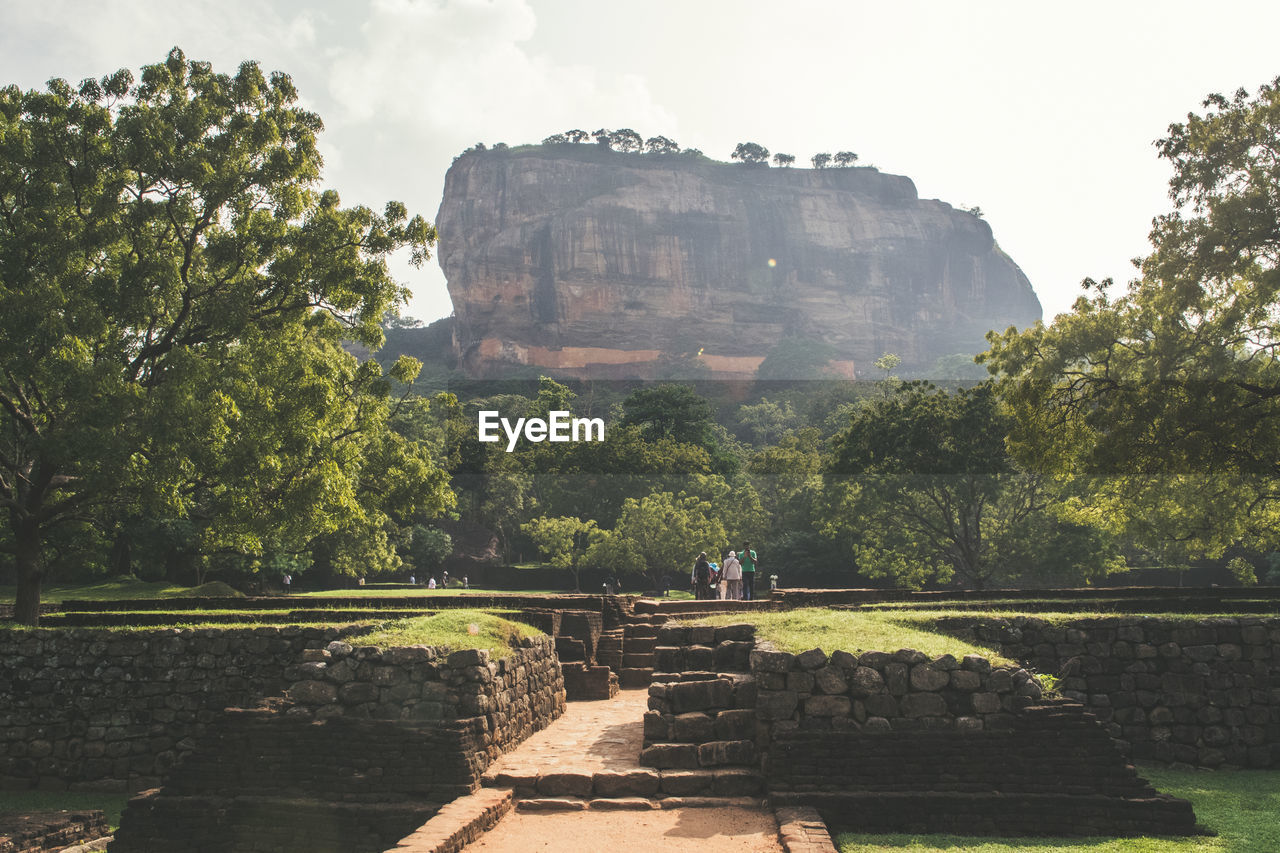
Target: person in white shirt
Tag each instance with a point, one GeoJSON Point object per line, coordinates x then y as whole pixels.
{"type": "Point", "coordinates": [732, 574]}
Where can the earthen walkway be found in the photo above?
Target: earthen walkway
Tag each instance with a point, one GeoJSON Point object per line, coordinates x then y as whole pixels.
{"type": "Point", "coordinates": [605, 737]}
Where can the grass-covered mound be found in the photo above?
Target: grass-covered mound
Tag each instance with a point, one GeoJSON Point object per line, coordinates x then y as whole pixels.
{"type": "Point", "coordinates": [213, 589]}
{"type": "Point", "coordinates": [854, 631]}
{"type": "Point", "coordinates": [452, 629]}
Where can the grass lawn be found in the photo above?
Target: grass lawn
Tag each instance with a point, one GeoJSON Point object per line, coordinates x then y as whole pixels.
{"type": "Point", "coordinates": [114, 589]}
{"type": "Point", "coordinates": [374, 591]}
{"type": "Point", "coordinates": [853, 631]}
{"type": "Point", "coordinates": [1242, 806]}
{"type": "Point", "coordinates": [12, 802]}
{"type": "Point", "coordinates": [454, 629]}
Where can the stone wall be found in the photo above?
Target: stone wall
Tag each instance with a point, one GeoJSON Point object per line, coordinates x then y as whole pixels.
{"type": "Point", "coordinates": [509, 698]}
{"type": "Point", "coordinates": [1204, 692]}
{"type": "Point", "coordinates": [263, 780]}
{"type": "Point", "coordinates": [110, 710]}
{"type": "Point", "coordinates": [881, 692]}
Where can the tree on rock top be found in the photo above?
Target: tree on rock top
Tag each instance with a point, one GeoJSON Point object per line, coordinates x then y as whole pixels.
{"type": "Point", "coordinates": [751, 153]}
{"type": "Point", "coordinates": [175, 291]}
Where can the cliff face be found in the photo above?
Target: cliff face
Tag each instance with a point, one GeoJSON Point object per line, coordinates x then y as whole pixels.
{"type": "Point", "coordinates": [597, 263]}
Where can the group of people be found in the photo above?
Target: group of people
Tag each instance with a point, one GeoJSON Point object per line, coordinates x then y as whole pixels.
{"type": "Point", "coordinates": [733, 580]}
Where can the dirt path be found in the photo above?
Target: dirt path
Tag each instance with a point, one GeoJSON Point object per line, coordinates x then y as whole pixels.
{"type": "Point", "coordinates": [704, 830]}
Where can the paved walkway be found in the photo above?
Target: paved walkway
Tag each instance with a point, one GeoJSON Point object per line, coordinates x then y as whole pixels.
{"type": "Point", "coordinates": [606, 736]}
{"type": "Point", "coordinates": [589, 736]}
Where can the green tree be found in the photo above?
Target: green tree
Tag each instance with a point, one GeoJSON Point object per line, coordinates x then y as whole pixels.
{"type": "Point", "coordinates": [922, 483]}
{"type": "Point", "coordinates": [1166, 396]}
{"type": "Point", "coordinates": [659, 534]}
{"type": "Point", "coordinates": [428, 548]}
{"type": "Point", "coordinates": [626, 140]}
{"type": "Point", "coordinates": [154, 238]}
{"type": "Point", "coordinates": [575, 136]}
{"type": "Point", "coordinates": [797, 357]}
{"type": "Point", "coordinates": [784, 160]}
{"type": "Point", "coordinates": [767, 421]}
{"type": "Point", "coordinates": [661, 145]}
{"type": "Point", "coordinates": [845, 158]}
{"type": "Point", "coordinates": [564, 542]}
{"type": "Point", "coordinates": [820, 161]}
{"type": "Point", "coordinates": [555, 139]}
{"type": "Point", "coordinates": [751, 154]}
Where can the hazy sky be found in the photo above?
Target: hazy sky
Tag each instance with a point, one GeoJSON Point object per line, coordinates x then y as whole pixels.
{"type": "Point", "coordinates": [1041, 114]}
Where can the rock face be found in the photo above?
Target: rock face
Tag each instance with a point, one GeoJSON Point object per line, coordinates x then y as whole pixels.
{"type": "Point", "coordinates": [597, 263]}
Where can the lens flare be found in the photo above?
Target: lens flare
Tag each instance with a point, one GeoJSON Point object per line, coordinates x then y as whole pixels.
{"type": "Point", "coordinates": [772, 262]}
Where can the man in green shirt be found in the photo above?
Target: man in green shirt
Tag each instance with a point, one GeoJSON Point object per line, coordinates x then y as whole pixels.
{"type": "Point", "coordinates": [748, 559]}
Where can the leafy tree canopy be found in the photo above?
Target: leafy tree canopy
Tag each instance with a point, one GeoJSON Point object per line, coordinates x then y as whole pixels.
{"type": "Point", "coordinates": [1168, 394]}
{"type": "Point", "coordinates": [174, 288]}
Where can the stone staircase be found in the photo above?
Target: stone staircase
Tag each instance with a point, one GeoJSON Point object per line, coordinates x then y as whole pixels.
{"type": "Point", "coordinates": [702, 700]}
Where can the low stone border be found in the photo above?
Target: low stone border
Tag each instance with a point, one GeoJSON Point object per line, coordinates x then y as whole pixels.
{"type": "Point", "coordinates": [801, 830]}
{"type": "Point", "coordinates": [459, 823]}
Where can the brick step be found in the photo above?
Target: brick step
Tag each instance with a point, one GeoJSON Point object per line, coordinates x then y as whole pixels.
{"type": "Point", "coordinates": [640, 630]}
{"type": "Point", "coordinates": [576, 804]}
{"type": "Point", "coordinates": [642, 782]}
{"type": "Point", "coordinates": [692, 756]}
{"type": "Point", "coordinates": [638, 659]}
{"type": "Point", "coordinates": [641, 644]}
{"type": "Point", "coordinates": [635, 676]}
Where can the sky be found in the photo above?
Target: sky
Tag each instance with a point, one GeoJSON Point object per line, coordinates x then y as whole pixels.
{"type": "Point", "coordinates": [1044, 115]}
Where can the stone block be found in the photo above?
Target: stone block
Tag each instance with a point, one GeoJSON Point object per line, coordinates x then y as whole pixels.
{"type": "Point", "coordinates": [884, 705]}
{"type": "Point", "coordinates": [738, 724]}
{"type": "Point", "coordinates": [626, 783]}
{"type": "Point", "coordinates": [693, 727]}
{"type": "Point", "coordinates": [744, 632]}
{"type": "Point", "coordinates": [717, 753]}
{"type": "Point", "coordinates": [896, 678]}
{"type": "Point", "coordinates": [985, 703]}
{"type": "Point", "coordinates": [923, 705]}
{"type": "Point", "coordinates": [966, 680]}
{"type": "Point", "coordinates": [564, 784]}
{"type": "Point", "coordinates": [737, 782]}
{"type": "Point", "coordinates": [314, 693]}
{"type": "Point", "coordinates": [700, 695]}
{"type": "Point", "coordinates": [831, 679]}
{"type": "Point", "coordinates": [800, 681]}
{"type": "Point", "coordinates": [812, 659]}
{"type": "Point", "coordinates": [776, 704]}
{"type": "Point", "coordinates": [764, 660]}
{"type": "Point", "coordinates": [657, 726]}
{"type": "Point", "coordinates": [865, 681]}
{"type": "Point", "coordinates": [926, 677]}
{"type": "Point", "coordinates": [684, 783]}
{"type": "Point", "coordinates": [670, 755]}
{"type": "Point", "coordinates": [702, 635]}
{"type": "Point", "coordinates": [827, 706]}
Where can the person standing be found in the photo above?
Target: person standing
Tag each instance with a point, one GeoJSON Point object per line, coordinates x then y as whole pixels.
{"type": "Point", "coordinates": [702, 577]}
{"type": "Point", "coordinates": [749, 560]}
{"type": "Point", "coordinates": [288, 582]}
{"type": "Point", "coordinates": [732, 582]}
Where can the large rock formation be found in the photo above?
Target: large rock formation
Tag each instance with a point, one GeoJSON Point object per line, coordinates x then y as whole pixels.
{"type": "Point", "coordinates": [596, 263]}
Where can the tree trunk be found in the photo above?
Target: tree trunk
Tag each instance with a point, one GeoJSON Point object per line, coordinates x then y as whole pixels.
{"type": "Point", "coordinates": [26, 606]}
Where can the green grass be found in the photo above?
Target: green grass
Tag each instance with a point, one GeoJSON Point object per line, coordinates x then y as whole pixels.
{"type": "Point", "coordinates": [453, 629]}
{"type": "Point", "coordinates": [108, 590]}
{"type": "Point", "coordinates": [1241, 806]}
{"type": "Point", "coordinates": [20, 802]}
{"type": "Point", "coordinates": [1006, 610]}
{"type": "Point", "coordinates": [420, 591]}
{"type": "Point", "coordinates": [853, 631]}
